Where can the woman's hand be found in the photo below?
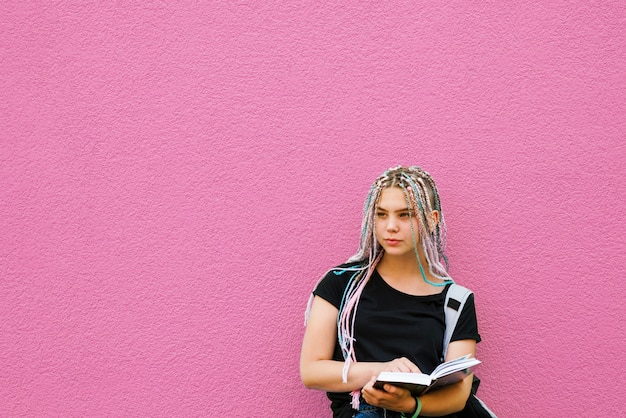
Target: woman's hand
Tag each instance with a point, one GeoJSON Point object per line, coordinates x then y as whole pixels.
{"type": "Point", "coordinates": [392, 397]}
{"type": "Point", "coordinates": [401, 364]}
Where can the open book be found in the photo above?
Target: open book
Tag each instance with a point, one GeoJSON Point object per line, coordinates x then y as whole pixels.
{"type": "Point", "coordinates": [445, 374]}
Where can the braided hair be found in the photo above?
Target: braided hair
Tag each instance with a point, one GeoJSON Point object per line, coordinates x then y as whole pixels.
{"type": "Point", "coordinates": [422, 199]}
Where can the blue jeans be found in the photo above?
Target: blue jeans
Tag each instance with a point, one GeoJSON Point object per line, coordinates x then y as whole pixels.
{"type": "Point", "coordinates": [368, 411]}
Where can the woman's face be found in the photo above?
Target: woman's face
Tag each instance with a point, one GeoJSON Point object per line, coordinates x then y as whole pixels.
{"type": "Point", "coordinates": [396, 227]}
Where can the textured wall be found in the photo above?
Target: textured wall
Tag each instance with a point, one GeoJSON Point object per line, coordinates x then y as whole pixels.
{"type": "Point", "coordinates": [174, 179]}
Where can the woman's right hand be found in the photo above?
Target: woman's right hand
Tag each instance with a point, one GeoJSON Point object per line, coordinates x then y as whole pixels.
{"type": "Point", "coordinates": [391, 397]}
{"type": "Point", "coordinates": [401, 364]}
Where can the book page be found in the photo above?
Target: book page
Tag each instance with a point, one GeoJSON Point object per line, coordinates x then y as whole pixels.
{"type": "Point", "coordinates": [455, 365]}
{"type": "Point", "coordinates": [401, 377]}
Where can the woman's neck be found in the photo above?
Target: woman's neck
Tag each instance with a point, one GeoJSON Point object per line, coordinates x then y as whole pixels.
{"type": "Point", "coordinates": [403, 273]}
{"type": "Point", "coordinates": [399, 268]}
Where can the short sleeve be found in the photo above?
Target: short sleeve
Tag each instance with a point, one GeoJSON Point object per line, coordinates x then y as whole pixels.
{"type": "Point", "coordinates": [333, 285]}
{"type": "Point", "coordinates": [467, 326]}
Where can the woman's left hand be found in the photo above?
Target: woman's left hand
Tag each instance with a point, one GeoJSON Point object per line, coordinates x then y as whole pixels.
{"type": "Point", "coordinates": [392, 397]}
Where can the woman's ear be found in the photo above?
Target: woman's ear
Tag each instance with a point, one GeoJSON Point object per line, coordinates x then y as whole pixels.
{"type": "Point", "coordinates": [435, 219]}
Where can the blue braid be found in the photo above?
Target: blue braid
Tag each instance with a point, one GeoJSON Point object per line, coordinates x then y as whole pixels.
{"type": "Point", "coordinates": [419, 262]}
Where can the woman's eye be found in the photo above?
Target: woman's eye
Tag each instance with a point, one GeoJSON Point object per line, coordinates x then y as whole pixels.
{"type": "Point", "coordinates": [405, 215]}
{"type": "Point", "coordinates": [380, 215]}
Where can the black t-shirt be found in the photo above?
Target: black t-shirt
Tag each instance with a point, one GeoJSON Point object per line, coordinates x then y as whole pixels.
{"type": "Point", "coordinates": [391, 324]}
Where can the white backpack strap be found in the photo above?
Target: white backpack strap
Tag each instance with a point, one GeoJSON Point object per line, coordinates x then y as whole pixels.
{"type": "Point", "coordinates": [453, 306]}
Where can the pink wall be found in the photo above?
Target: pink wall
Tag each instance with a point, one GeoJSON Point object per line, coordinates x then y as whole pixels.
{"type": "Point", "coordinates": [174, 179]}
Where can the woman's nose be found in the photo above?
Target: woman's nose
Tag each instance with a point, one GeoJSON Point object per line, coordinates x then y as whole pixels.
{"type": "Point", "coordinates": [392, 224]}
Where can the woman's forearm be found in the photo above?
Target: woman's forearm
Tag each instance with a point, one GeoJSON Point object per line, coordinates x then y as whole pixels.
{"type": "Point", "coordinates": [327, 375]}
{"type": "Point", "coordinates": [446, 400]}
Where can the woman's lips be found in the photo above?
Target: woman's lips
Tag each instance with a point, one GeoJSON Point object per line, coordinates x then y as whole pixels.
{"type": "Point", "coordinates": [392, 242]}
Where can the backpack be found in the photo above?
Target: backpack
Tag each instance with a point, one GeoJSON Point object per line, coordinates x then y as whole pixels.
{"type": "Point", "coordinates": [453, 306]}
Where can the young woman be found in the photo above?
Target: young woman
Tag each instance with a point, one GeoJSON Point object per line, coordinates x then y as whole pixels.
{"type": "Point", "coordinates": [383, 309]}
